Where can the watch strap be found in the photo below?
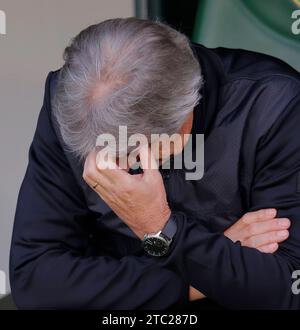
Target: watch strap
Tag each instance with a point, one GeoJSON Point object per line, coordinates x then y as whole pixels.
{"type": "Point", "coordinates": [170, 228]}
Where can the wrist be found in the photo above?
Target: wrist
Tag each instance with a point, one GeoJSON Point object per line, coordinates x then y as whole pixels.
{"type": "Point", "coordinates": [156, 224]}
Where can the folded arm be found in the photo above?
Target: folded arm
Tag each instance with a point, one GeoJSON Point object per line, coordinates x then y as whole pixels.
{"type": "Point", "coordinates": [241, 277]}
{"type": "Point", "coordinates": [260, 230]}
{"type": "Point", "coordinates": [233, 275]}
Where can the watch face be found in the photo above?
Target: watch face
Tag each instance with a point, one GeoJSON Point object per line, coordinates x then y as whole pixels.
{"type": "Point", "coordinates": [156, 246]}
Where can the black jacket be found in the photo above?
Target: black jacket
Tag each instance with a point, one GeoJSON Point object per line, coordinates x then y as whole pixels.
{"type": "Point", "coordinates": [69, 250]}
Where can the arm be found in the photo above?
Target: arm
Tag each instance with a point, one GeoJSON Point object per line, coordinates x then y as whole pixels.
{"type": "Point", "coordinates": [231, 274]}
{"type": "Point", "coordinates": [50, 266]}
{"type": "Point", "coordinates": [240, 277]}
{"type": "Point", "coordinates": [259, 230]}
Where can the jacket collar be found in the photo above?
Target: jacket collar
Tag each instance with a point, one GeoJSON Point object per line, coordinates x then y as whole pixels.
{"type": "Point", "coordinates": [213, 76]}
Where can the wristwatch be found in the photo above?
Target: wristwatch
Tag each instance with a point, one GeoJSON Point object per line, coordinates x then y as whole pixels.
{"type": "Point", "coordinates": [158, 245]}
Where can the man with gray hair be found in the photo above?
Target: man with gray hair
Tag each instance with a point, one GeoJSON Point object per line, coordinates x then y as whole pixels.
{"type": "Point", "coordinates": [94, 237]}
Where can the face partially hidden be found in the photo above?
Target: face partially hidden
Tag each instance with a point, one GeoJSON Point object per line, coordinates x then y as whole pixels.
{"type": "Point", "coordinates": [162, 148]}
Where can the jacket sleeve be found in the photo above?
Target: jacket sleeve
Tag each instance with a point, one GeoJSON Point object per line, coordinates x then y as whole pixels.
{"type": "Point", "coordinates": [241, 277]}
{"type": "Point", "coordinates": [49, 266]}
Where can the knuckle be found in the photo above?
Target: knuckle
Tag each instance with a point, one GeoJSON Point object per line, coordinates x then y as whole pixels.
{"type": "Point", "coordinates": [84, 176]}
{"type": "Point", "coordinates": [245, 217]}
{"type": "Point", "coordinates": [88, 173]}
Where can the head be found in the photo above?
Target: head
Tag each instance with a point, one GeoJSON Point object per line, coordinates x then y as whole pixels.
{"type": "Point", "coordinates": [125, 72]}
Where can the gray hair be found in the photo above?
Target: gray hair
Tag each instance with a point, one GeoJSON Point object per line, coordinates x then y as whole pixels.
{"type": "Point", "coordinates": [132, 72]}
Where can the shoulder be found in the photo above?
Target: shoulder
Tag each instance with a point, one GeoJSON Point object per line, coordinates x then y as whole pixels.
{"type": "Point", "coordinates": [253, 75]}
{"type": "Point", "coordinates": [260, 88]}
{"type": "Point", "coordinates": [51, 84]}
{"type": "Point", "coordinates": [266, 78]}
{"type": "Point", "coordinates": [269, 85]}
{"type": "Point", "coordinates": [240, 64]}
{"type": "Point", "coordinates": [46, 130]}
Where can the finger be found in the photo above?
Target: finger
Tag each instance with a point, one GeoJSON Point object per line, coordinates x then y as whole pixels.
{"type": "Point", "coordinates": [260, 215]}
{"type": "Point", "coordinates": [109, 169]}
{"type": "Point", "coordinates": [95, 180]}
{"type": "Point", "coordinates": [257, 228]}
{"type": "Point", "coordinates": [98, 186]}
{"type": "Point", "coordinates": [91, 175]}
{"type": "Point", "coordinates": [269, 248]}
{"type": "Point", "coordinates": [250, 217]}
{"type": "Point", "coordinates": [147, 159]}
{"type": "Point", "coordinates": [105, 161]}
{"type": "Point", "coordinates": [133, 161]}
{"type": "Point", "coordinates": [267, 238]}
{"type": "Point", "coordinates": [123, 162]}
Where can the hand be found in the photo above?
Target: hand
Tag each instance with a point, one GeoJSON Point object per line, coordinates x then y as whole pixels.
{"type": "Point", "coordinates": [139, 200]}
{"type": "Point", "coordinates": [260, 230]}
